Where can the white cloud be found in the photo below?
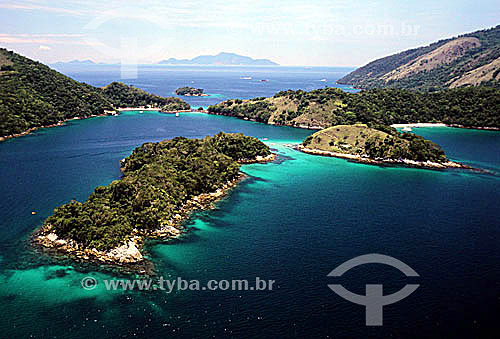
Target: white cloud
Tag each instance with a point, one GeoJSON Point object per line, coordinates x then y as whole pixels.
{"type": "Point", "coordinates": [47, 39]}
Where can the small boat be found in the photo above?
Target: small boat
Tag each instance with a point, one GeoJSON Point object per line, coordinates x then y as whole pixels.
{"type": "Point", "coordinates": [33, 213]}
{"type": "Point", "coordinates": [323, 80]}
{"type": "Point", "coordinates": [264, 80]}
{"type": "Point", "coordinates": [406, 129]}
{"type": "Point", "coordinates": [141, 111]}
{"type": "Point", "coordinates": [246, 78]}
{"type": "Point", "coordinates": [176, 114]}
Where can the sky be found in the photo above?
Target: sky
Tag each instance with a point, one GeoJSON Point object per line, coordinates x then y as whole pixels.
{"type": "Point", "coordinates": [306, 33]}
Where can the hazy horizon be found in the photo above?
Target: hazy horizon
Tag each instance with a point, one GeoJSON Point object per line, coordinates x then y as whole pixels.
{"type": "Point", "coordinates": [317, 33]}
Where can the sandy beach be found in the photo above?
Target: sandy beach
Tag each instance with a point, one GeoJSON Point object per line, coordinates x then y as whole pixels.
{"type": "Point", "coordinates": [419, 124]}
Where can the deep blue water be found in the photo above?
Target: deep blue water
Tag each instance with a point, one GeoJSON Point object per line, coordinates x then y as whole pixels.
{"type": "Point", "coordinates": [292, 221]}
{"type": "Point", "coordinates": [220, 82]}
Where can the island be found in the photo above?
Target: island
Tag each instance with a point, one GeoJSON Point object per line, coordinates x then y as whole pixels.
{"type": "Point", "coordinates": [221, 59]}
{"type": "Point", "coordinates": [377, 145]}
{"type": "Point", "coordinates": [190, 92]}
{"type": "Point", "coordinates": [162, 184]}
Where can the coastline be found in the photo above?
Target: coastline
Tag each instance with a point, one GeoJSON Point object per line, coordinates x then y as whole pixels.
{"type": "Point", "coordinates": [420, 124]}
{"type": "Point", "coordinates": [150, 109]}
{"type": "Point", "coordinates": [317, 128]}
{"type": "Point", "coordinates": [105, 114]}
{"type": "Point", "coordinates": [59, 123]}
{"type": "Point", "coordinates": [436, 124]}
{"type": "Point", "coordinates": [400, 162]}
{"type": "Point", "coordinates": [129, 258]}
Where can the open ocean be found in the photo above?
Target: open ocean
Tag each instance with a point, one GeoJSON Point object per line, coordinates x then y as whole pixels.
{"type": "Point", "coordinates": [292, 221]}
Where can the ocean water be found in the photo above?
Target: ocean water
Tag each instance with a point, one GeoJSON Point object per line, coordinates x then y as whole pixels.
{"type": "Point", "coordinates": [291, 221]}
{"type": "Point", "coordinates": [219, 82]}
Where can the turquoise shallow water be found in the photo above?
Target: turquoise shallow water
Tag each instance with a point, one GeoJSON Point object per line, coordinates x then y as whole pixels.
{"type": "Point", "coordinates": [292, 221]}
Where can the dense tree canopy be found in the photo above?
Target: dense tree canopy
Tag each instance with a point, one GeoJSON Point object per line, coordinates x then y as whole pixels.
{"type": "Point", "coordinates": [34, 95]}
{"type": "Point", "coordinates": [471, 106]}
{"type": "Point", "coordinates": [122, 95]}
{"type": "Point", "coordinates": [158, 178]}
{"type": "Point", "coordinates": [189, 91]}
{"type": "Point", "coordinates": [375, 142]}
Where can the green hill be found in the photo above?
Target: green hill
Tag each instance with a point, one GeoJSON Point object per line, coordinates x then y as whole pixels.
{"type": "Point", "coordinates": [34, 95]}
{"type": "Point", "coordinates": [374, 143]}
{"type": "Point", "coordinates": [122, 95]}
{"type": "Point", "coordinates": [468, 60]}
{"type": "Point", "coordinates": [158, 181]}
{"type": "Point", "coordinates": [470, 107]}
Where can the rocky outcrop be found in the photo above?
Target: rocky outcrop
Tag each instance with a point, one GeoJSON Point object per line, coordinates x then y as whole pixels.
{"type": "Point", "coordinates": [129, 254]}
{"type": "Point", "coordinates": [258, 159]}
{"type": "Point", "coordinates": [400, 162]}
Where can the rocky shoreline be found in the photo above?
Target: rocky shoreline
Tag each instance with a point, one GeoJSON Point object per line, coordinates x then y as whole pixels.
{"type": "Point", "coordinates": [393, 162]}
{"type": "Point", "coordinates": [129, 257]}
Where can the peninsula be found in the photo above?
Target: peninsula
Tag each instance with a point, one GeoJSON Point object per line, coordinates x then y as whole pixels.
{"type": "Point", "coordinates": [161, 184]}
{"type": "Point", "coordinates": [469, 107]}
{"type": "Point", "coordinates": [377, 145]}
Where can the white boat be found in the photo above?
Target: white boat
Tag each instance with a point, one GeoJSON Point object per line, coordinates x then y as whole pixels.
{"type": "Point", "coordinates": [176, 114]}
{"type": "Point", "coordinates": [246, 78]}
{"type": "Point", "coordinates": [323, 80]}
{"type": "Point", "coordinates": [406, 129]}
{"type": "Point", "coordinates": [141, 111]}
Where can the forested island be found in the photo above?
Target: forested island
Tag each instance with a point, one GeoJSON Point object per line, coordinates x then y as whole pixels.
{"type": "Point", "coordinates": [377, 145]}
{"type": "Point", "coordinates": [190, 91]}
{"type": "Point", "coordinates": [33, 95]}
{"type": "Point", "coordinates": [161, 184]}
{"type": "Point", "coordinates": [472, 107]}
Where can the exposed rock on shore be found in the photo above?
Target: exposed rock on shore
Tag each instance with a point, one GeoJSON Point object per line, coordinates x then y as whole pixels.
{"type": "Point", "coordinates": [129, 255]}
{"type": "Point", "coordinates": [400, 162]}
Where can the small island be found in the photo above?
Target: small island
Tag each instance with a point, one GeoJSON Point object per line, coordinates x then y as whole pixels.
{"type": "Point", "coordinates": [190, 92]}
{"type": "Point", "coordinates": [162, 184]}
{"type": "Point", "coordinates": [377, 145]}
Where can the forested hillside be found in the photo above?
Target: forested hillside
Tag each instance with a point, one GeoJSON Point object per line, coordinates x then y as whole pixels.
{"type": "Point", "coordinates": [470, 107]}
{"type": "Point", "coordinates": [122, 95]}
{"type": "Point", "coordinates": [34, 95]}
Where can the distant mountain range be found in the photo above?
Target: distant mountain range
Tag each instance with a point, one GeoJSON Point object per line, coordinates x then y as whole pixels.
{"type": "Point", "coordinates": [33, 95]}
{"type": "Point", "coordinates": [76, 62]}
{"type": "Point", "coordinates": [220, 59]}
{"type": "Point", "coordinates": [468, 60]}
